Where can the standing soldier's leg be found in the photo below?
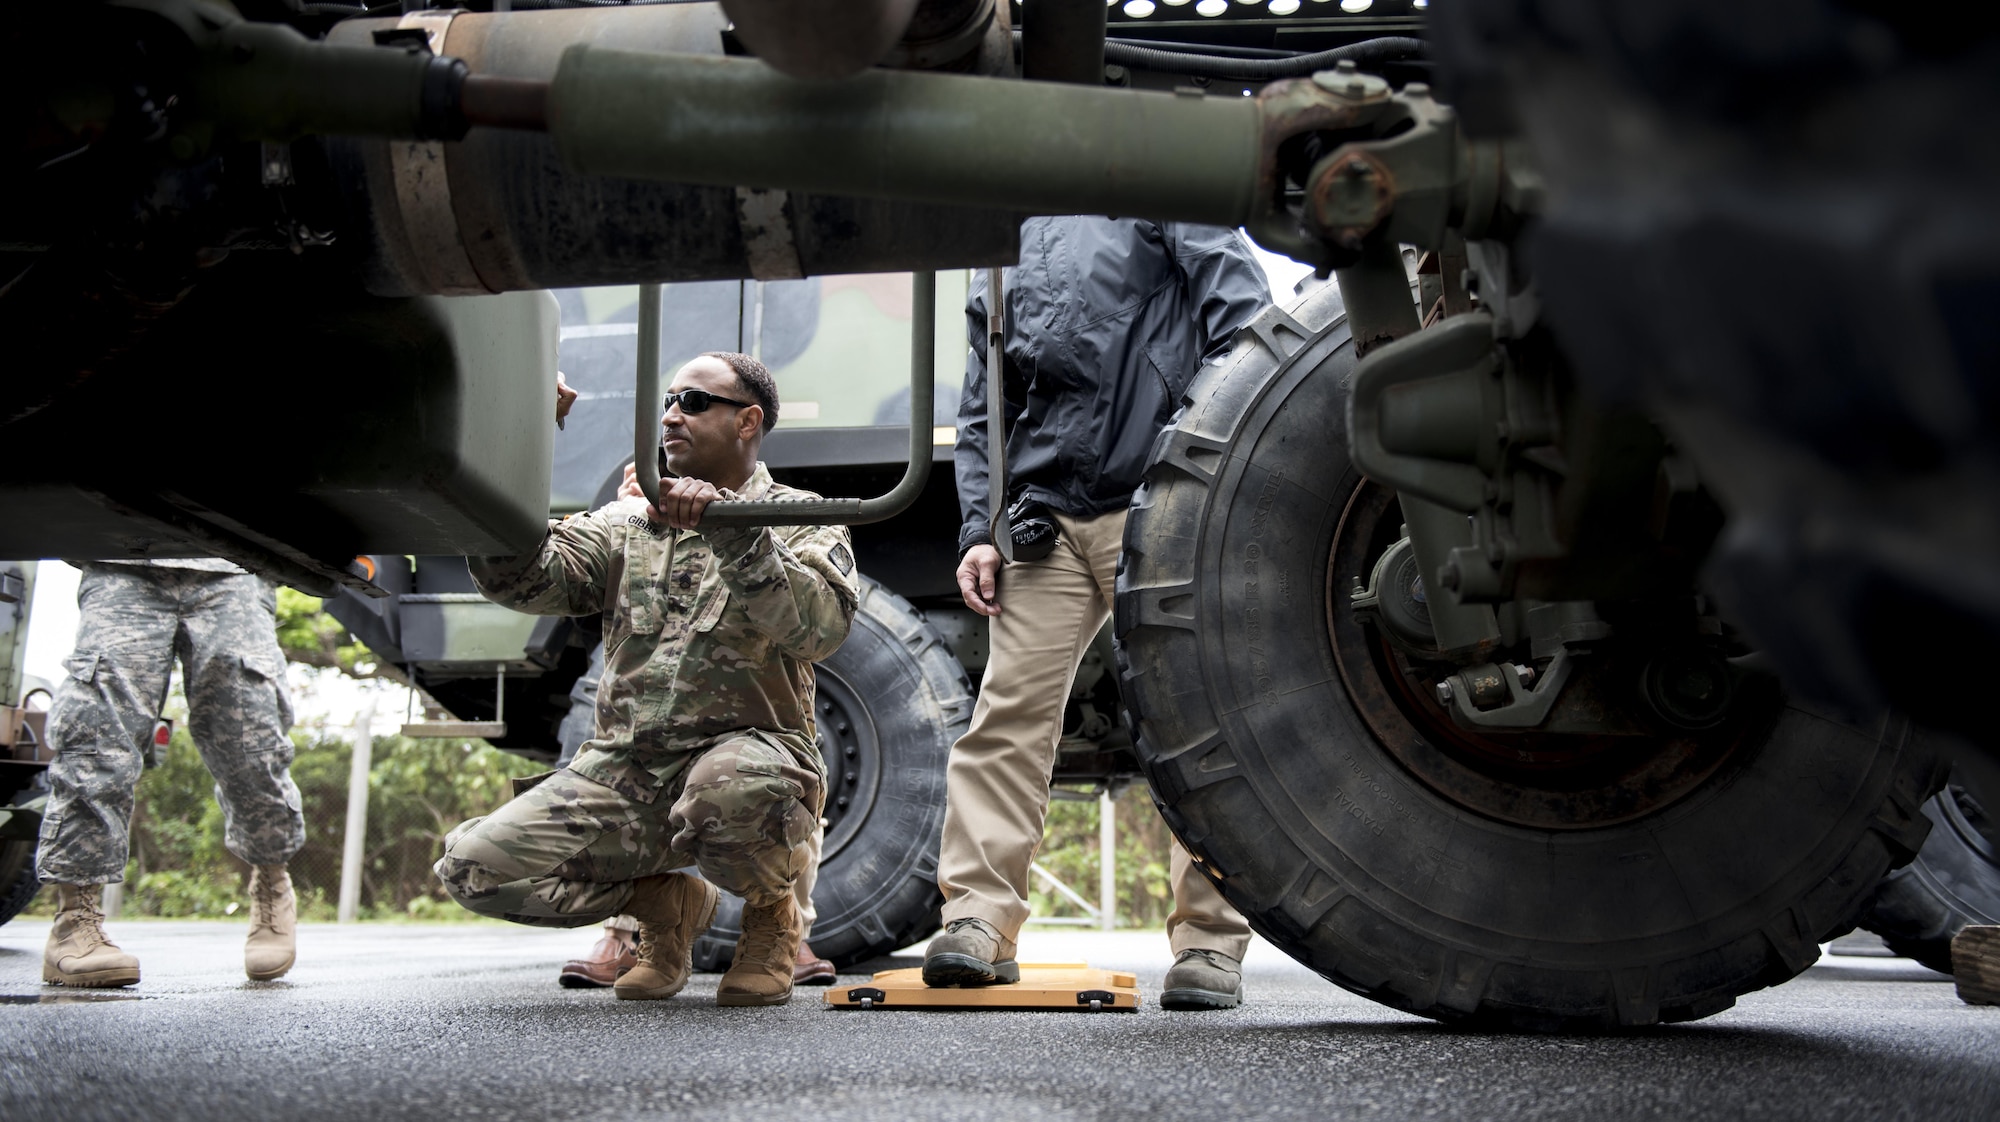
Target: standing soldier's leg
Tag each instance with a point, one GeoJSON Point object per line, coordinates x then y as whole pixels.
{"type": "Point", "coordinates": [238, 713]}
{"type": "Point", "coordinates": [99, 725]}
{"type": "Point", "coordinates": [746, 816]}
{"type": "Point", "coordinates": [997, 779]}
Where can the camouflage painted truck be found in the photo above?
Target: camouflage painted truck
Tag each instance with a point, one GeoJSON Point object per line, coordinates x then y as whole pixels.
{"type": "Point", "coordinates": [1525, 655]}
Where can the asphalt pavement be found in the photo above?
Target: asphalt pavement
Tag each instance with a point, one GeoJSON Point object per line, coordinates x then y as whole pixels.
{"type": "Point", "coordinates": [466, 1021]}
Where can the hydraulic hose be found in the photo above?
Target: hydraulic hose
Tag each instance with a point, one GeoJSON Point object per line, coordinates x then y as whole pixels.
{"type": "Point", "coordinates": [1367, 53]}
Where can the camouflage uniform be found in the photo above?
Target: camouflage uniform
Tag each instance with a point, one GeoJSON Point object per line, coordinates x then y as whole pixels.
{"type": "Point", "coordinates": [135, 619]}
{"type": "Point", "coordinates": [578, 725]}
{"type": "Point", "coordinates": [706, 753]}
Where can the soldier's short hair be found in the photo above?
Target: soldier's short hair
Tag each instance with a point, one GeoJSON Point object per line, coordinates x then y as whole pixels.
{"type": "Point", "coordinates": [755, 379]}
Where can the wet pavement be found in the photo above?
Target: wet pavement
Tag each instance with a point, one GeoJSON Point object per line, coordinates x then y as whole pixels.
{"type": "Point", "coordinates": [465, 1020]}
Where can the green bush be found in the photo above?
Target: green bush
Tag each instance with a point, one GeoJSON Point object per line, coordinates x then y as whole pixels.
{"type": "Point", "coordinates": [418, 790]}
{"type": "Point", "coordinates": [206, 894]}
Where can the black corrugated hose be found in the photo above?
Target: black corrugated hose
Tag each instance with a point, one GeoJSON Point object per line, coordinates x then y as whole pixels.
{"type": "Point", "coordinates": [1367, 53]}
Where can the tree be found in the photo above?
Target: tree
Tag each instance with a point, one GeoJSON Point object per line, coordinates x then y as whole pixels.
{"type": "Point", "coordinates": [311, 637]}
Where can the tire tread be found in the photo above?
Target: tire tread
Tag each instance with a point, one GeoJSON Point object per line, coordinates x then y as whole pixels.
{"type": "Point", "coordinates": [1344, 937]}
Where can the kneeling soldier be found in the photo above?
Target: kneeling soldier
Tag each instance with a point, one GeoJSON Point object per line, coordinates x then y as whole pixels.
{"type": "Point", "coordinates": [705, 753]}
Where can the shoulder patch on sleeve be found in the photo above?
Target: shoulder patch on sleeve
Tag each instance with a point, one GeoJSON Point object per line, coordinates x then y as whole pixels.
{"type": "Point", "coordinates": [842, 560]}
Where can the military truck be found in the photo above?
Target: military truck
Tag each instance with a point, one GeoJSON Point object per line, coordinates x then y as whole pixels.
{"type": "Point", "coordinates": [23, 743]}
{"type": "Point", "coordinates": [1482, 648]}
{"type": "Point", "coordinates": [898, 692]}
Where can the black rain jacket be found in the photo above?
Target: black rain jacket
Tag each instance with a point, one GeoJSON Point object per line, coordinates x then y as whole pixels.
{"type": "Point", "coordinates": [1107, 322]}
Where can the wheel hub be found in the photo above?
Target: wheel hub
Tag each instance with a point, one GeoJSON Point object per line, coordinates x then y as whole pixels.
{"type": "Point", "coordinates": [1674, 721]}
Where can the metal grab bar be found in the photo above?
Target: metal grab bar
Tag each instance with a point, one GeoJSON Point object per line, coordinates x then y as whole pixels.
{"type": "Point", "coordinates": [801, 512]}
{"type": "Point", "coordinates": [646, 402]}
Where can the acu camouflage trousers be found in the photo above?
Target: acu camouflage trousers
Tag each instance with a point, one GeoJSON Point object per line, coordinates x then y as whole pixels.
{"type": "Point", "coordinates": [133, 622]}
{"type": "Point", "coordinates": [566, 851]}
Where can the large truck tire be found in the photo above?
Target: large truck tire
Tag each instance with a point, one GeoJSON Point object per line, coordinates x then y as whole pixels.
{"type": "Point", "coordinates": [891, 701]}
{"type": "Point", "coordinates": [1334, 805]}
{"type": "Point", "coordinates": [1954, 882]}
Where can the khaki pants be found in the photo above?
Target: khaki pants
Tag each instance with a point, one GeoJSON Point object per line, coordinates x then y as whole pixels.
{"type": "Point", "coordinates": [997, 783]}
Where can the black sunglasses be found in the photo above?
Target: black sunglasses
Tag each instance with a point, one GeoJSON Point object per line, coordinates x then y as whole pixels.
{"type": "Point", "coordinates": [698, 401]}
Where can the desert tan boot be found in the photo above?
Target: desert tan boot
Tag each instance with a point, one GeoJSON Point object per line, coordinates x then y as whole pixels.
{"type": "Point", "coordinates": [79, 952]}
{"type": "Point", "coordinates": [274, 924]}
{"type": "Point", "coordinates": [673, 910]}
{"type": "Point", "coordinates": [762, 971]}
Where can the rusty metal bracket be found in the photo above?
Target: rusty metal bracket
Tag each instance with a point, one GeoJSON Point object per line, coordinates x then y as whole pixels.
{"type": "Point", "coordinates": [1524, 707]}
{"type": "Point", "coordinates": [1288, 112]}
{"type": "Point", "coordinates": [1419, 177]}
{"type": "Point", "coordinates": [423, 190]}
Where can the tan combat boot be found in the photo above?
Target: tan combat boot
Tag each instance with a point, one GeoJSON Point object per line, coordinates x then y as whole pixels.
{"type": "Point", "coordinates": [673, 910]}
{"type": "Point", "coordinates": [79, 952]}
{"type": "Point", "coordinates": [274, 924]}
{"type": "Point", "coordinates": [765, 956]}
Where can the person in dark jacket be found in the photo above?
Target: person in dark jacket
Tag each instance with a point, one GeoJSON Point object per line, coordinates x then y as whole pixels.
{"type": "Point", "coordinates": [1107, 322]}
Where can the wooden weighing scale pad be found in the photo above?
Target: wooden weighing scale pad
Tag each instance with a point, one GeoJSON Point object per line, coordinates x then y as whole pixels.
{"type": "Point", "coordinates": [1071, 986]}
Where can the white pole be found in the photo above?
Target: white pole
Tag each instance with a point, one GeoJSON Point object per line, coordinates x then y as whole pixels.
{"type": "Point", "coordinates": [353, 844]}
{"type": "Point", "coordinates": [1107, 862]}
{"type": "Point", "coordinates": [114, 899]}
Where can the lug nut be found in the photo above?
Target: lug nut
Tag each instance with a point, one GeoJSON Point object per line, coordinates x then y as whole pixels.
{"type": "Point", "coordinates": [1444, 693]}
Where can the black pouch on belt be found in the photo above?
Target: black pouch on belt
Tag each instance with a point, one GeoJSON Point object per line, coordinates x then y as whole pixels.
{"type": "Point", "coordinates": [1033, 530]}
